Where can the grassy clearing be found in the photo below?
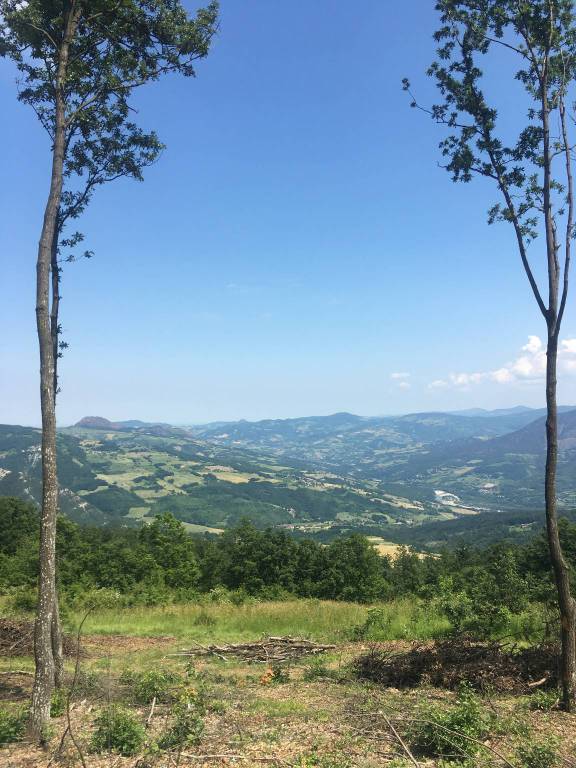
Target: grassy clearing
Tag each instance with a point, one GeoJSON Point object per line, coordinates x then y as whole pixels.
{"type": "Point", "coordinates": [228, 623]}
{"type": "Point", "coordinates": [321, 620]}
{"type": "Point", "coordinates": [327, 720]}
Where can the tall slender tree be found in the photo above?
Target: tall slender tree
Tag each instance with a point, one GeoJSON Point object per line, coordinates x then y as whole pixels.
{"type": "Point", "coordinates": [533, 175]}
{"type": "Point", "coordinates": [79, 62]}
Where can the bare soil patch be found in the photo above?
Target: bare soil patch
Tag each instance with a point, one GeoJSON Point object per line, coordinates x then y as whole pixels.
{"type": "Point", "coordinates": [104, 645]}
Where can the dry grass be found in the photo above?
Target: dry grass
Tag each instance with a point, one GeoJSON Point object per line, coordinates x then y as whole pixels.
{"type": "Point", "coordinates": [322, 717]}
{"type": "Point", "coordinates": [319, 723]}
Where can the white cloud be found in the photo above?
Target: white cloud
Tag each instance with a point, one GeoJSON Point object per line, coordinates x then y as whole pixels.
{"type": "Point", "coordinates": [567, 353]}
{"type": "Point", "coordinates": [534, 345]}
{"type": "Point", "coordinates": [530, 365]}
{"type": "Point", "coordinates": [401, 379]}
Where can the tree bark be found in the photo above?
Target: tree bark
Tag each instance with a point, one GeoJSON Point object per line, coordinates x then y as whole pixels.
{"type": "Point", "coordinates": [56, 641]}
{"type": "Point", "coordinates": [553, 316]}
{"type": "Point", "coordinates": [56, 634]}
{"type": "Point", "coordinates": [566, 602]}
{"type": "Point", "coordinates": [46, 622]}
{"type": "Point", "coordinates": [44, 677]}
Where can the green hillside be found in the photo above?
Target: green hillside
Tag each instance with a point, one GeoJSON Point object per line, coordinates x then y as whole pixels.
{"type": "Point", "coordinates": [387, 477]}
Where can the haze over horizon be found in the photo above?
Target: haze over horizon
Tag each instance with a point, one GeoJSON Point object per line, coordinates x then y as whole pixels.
{"type": "Point", "coordinates": [471, 411]}
{"type": "Point", "coordinates": [290, 254]}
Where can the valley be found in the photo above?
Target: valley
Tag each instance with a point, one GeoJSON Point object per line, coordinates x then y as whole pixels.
{"type": "Point", "coordinates": [389, 477]}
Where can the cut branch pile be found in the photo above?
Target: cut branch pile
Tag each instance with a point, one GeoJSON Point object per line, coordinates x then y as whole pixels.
{"type": "Point", "coordinates": [272, 650]}
{"type": "Point", "coordinates": [17, 638]}
{"type": "Point", "coordinates": [448, 664]}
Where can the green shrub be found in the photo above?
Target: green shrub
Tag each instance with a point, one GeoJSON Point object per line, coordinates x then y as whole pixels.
{"type": "Point", "coordinates": [448, 733]}
{"type": "Point", "coordinates": [187, 724]}
{"type": "Point", "coordinates": [543, 701]}
{"type": "Point", "coordinates": [280, 674]}
{"type": "Point", "coordinates": [204, 620]}
{"type": "Point", "coordinates": [58, 703]}
{"type": "Point", "coordinates": [375, 622]}
{"type": "Point", "coordinates": [542, 755]}
{"type": "Point", "coordinates": [410, 619]}
{"type": "Point", "coordinates": [533, 625]}
{"type": "Point", "coordinates": [318, 670]}
{"type": "Point", "coordinates": [24, 600]}
{"type": "Point", "coordinates": [88, 683]}
{"type": "Point", "coordinates": [240, 597]}
{"type": "Point", "coordinates": [482, 619]}
{"type": "Point", "coordinates": [275, 592]}
{"type": "Point", "coordinates": [145, 686]}
{"type": "Point", "coordinates": [117, 730]}
{"type": "Point", "coordinates": [12, 725]}
{"type": "Point", "coordinates": [220, 595]}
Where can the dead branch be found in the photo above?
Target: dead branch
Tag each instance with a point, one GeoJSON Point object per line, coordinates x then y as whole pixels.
{"type": "Point", "coordinates": [271, 651]}
{"type": "Point", "coordinates": [151, 715]}
{"type": "Point", "coordinates": [17, 672]}
{"type": "Point", "coordinates": [399, 739]}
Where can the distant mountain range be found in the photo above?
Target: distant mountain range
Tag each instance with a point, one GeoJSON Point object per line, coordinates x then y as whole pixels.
{"type": "Point", "coordinates": [156, 427]}
{"type": "Point", "coordinates": [317, 475]}
{"type": "Point", "coordinates": [344, 439]}
{"type": "Point", "coordinates": [500, 411]}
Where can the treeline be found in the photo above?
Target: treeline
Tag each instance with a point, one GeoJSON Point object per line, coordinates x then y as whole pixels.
{"type": "Point", "coordinates": [161, 562]}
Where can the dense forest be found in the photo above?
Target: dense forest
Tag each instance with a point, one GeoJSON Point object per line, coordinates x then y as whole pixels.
{"type": "Point", "coordinates": [480, 590]}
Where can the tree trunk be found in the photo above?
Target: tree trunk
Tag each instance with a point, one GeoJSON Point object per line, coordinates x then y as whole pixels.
{"type": "Point", "coordinates": [44, 677]}
{"type": "Point", "coordinates": [566, 602]}
{"type": "Point", "coordinates": [57, 648]}
{"type": "Point", "coordinates": [46, 622]}
{"type": "Point", "coordinates": [56, 634]}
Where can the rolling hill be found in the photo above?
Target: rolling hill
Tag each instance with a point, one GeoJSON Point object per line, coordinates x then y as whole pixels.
{"type": "Point", "coordinates": [346, 440]}
{"type": "Point", "coordinates": [316, 475]}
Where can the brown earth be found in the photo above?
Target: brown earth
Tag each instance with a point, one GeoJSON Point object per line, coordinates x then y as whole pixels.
{"type": "Point", "coordinates": [324, 719]}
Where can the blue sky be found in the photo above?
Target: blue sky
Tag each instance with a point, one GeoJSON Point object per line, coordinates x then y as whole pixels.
{"type": "Point", "coordinates": [296, 250]}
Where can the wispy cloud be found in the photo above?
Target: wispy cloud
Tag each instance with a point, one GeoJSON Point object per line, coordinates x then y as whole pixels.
{"type": "Point", "coordinates": [530, 365]}
{"type": "Point", "coordinates": [401, 379]}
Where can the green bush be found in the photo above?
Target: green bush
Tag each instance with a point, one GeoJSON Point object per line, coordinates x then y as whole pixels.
{"type": "Point", "coordinates": [318, 670]}
{"type": "Point", "coordinates": [220, 595]}
{"type": "Point", "coordinates": [88, 683]}
{"type": "Point", "coordinates": [117, 730]}
{"type": "Point", "coordinates": [481, 618]}
{"type": "Point", "coordinates": [204, 619]}
{"type": "Point", "coordinates": [12, 725]}
{"type": "Point", "coordinates": [240, 597]}
{"type": "Point", "coordinates": [541, 755]}
{"type": "Point", "coordinates": [543, 701]}
{"type": "Point", "coordinates": [187, 724]}
{"type": "Point", "coordinates": [375, 622]}
{"type": "Point", "coordinates": [449, 733]}
{"type": "Point", "coordinates": [280, 674]}
{"type": "Point", "coordinates": [410, 619]}
{"type": "Point", "coordinates": [58, 703]}
{"type": "Point", "coordinates": [145, 686]}
{"type": "Point", "coordinates": [24, 600]}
